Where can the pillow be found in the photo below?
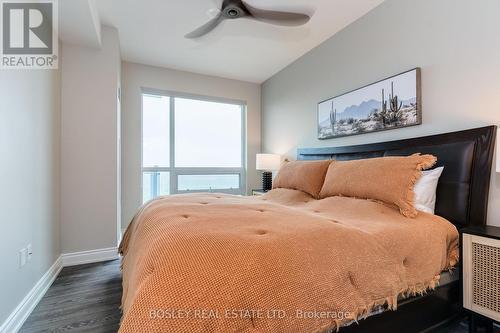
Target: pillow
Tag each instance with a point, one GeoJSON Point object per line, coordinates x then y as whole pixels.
{"type": "Point", "coordinates": [387, 179]}
{"type": "Point", "coordinates": [305, 176]}
{"type": "Point", "coordinates": [425, 190]}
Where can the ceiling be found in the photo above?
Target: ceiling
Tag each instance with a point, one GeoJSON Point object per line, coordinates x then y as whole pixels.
{"type": "Point", "coordinates": [79, 23]}
{"type": "Point", "coordinates": [152, 32]}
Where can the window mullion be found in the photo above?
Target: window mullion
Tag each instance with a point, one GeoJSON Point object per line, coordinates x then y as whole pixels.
{"type": "Point", "coordinates": [173, 173]}
{"type": "Point", "coordinates": [243, 150]}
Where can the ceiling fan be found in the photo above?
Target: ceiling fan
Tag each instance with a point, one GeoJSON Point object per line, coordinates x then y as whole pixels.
{"type": "Point", "coordinates": [234, 9]}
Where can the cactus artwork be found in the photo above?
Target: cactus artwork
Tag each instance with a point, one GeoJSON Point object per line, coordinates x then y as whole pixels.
{"type": "Point", "coordinates": [333, 118]}
{"type": "Point", "coordinates": [384, 102]}
{"type": "Point", "coordinates": [393, 114]}
{"type": "Point", "coordinates": [387, 104]}
{"type": "Point", "coordinates": [383, 115]}
{"type": "Point", "coordinates": [394, 105]}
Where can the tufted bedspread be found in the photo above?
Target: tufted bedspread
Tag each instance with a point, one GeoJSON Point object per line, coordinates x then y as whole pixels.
{"type": "Point", "coordinates": [282, 262]}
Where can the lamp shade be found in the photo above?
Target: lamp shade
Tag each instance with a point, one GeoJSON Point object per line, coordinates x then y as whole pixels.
{"type": "Point", "coordinates": [268, 162]}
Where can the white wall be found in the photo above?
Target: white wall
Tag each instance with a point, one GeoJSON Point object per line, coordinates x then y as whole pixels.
{"type": "Point", "coordinates": [90, 157]}
{"type": "Point", "coordinates": [135, 77]}
{"type": "Point", "coordinates": [29, 178]}
{"type": "Point", "coordinates": [456, 44]}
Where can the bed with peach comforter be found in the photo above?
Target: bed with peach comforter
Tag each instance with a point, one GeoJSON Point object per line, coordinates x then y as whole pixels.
{"type": "Point", "coordinates": [282, 262]}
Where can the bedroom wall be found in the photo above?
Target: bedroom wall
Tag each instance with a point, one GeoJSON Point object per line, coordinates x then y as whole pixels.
{"type": "Point", "coordinates": [455, 42]}
{"type": "Point", "coordinates": [29, 173]}
{"type": "Point", "coordinates": [136, 76]}
{"type": "Point", "coordinates": [90, 145]}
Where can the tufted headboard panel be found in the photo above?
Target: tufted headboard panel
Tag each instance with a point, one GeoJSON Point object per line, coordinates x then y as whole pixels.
{"type": "Point", "coordinates": [463, 190]}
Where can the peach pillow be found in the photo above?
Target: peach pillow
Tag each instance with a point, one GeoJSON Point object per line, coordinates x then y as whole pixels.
{"type": "Point", "coordinates": [305, 176]}
{"type": "Point", "coordinates": [387, 179]}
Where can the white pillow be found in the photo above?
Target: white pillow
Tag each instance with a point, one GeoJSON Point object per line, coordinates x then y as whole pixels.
{"type": "Point", "coordinates": [425, 190]}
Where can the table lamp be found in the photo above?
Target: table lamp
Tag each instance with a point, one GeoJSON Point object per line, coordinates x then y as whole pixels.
{"type": "Point", "coordinates": [267, 163]}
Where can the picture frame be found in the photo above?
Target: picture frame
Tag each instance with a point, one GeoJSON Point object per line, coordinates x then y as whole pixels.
{"type": "Point", "coordinates": [391, 103]}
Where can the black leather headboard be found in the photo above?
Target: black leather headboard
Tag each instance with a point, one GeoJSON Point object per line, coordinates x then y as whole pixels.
{"type": "Point", "coordinates": [462, 194]}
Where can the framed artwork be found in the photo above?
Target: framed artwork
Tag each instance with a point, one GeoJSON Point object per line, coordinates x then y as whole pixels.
{"type": "Point", "coordinates": [391, 103]}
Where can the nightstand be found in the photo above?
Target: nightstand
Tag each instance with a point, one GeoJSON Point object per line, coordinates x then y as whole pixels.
{"type": "Point", "coordinates": [258, 192]}
{"type": "Point", "coordinates": [481, 274]}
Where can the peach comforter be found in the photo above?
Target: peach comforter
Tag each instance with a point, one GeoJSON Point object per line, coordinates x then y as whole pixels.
{"type": "Point", "coordinates": [282, 262]}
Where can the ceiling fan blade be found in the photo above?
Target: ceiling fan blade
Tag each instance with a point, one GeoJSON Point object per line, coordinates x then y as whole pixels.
{"type": "Point", "coordinates": [206, 28]}
{"type": "Point", "coordinates": [277, 17]}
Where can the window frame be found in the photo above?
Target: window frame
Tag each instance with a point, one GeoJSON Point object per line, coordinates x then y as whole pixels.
{"type": "Point", "coordinates": [174, 171]}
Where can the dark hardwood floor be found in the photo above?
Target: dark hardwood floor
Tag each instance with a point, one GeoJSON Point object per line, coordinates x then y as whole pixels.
{"type": "Point", "coordinates": [83, 298]}
{"type": "Point", "coordinates": [87, 298]}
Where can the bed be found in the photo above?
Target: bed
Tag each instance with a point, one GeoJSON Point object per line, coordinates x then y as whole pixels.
{"type": "Point", "coordinates": [189, 259]}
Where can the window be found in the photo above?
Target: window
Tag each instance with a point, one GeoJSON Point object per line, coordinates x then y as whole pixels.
{"type": "Point", "coordinates": [155, 131]}
{"type": "Point", "coordinates": [203, 182]}
{"type": "Point", "coordinates": [191, 145]}
{"type": "Point", "coordinates": [207, 134]}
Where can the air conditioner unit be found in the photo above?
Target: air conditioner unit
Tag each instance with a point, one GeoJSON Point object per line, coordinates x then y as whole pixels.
{"type": "Point", "coordinates": [481, 275]}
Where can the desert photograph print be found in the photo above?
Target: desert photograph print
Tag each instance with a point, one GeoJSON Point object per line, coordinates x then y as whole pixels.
{"type": "Point", "coordinates": [391, 103]}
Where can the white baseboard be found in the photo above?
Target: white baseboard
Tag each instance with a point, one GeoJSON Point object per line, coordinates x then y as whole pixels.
{"type": "Point", "coordinates": [88, 257]}
{"type": "Point", "coordinates": [28, 304]}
